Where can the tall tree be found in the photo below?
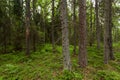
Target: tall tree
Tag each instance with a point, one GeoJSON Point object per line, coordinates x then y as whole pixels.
{"type": "Point", "coordinates": [74, 24]}
{"type": "Point", "coordinates": [27, 27]}
{"type": "Point", "coordinates": [108, 53]}
{"type": "Point", "coordinates": [65, 39]}
{"type": "Point", "coordinates": [53, 18]}
{"type": "Point", "coordinates": [98, 31]}
{"type": "Point", "coordinates": [83, 35]}
{"type": "Point", "coordinates": [34, 28]}
{"type": "Point", "coordinates": [91, 23]}
{"type": "Point", "coordinates": [110, 31]}
{"type": "Point", "coordinates": [18, 17]}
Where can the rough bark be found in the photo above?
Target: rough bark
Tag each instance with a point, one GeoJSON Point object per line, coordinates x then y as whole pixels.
{"type": "Point", "coordinates": [110, 31]}
{"type": "Point", "coordinates": [82, 35]}
{"type": "Point", "coordinates": [74, 25]}
{"type": "Point", "coordinates": [34, 35]}
{"type": "Point", "coordinates": [53, 38]}
{"type": "Point", "coordinates": [98, 31]}
{"type": "Point", "coordinates": [65, 39]}
{"type": "Point", "coordinates": [108, 53]}
{"type": "Point", "coordinates": [27, 27]}
{"type": "Point", "coordinates": [91, 24]}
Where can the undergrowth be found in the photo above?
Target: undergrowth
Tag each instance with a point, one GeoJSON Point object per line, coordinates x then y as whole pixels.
{"type": "Point", "coordinates": [44, 65]}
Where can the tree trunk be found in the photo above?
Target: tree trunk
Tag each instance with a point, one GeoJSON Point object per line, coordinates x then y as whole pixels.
{"type": "Point", "coordinates": [65, 39]}
{"type": "Point", "coordinates": [110, 32]}
{"type": "Point", "coordinates": [91, 22]}
{"type": "Point", "coordinates": [27, 27]}
{"type": "Point", "coordinates": [74, 25]}
{"type": "Point", "coordinates": [34, 31]}
{"type": "Point", "coordinates": [5, 41]}
{"type": "Point", "coordinates": [53, 39]}
{"type": "Point", "coordinates": [98, 31]}
{"type": "Point", "coordinates": [83, 35]}
{"type": "Point", "coordinates": [108, 53]}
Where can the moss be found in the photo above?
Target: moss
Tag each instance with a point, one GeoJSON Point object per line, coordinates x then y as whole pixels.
{"type": "Point", "coordinates": [45, 65]}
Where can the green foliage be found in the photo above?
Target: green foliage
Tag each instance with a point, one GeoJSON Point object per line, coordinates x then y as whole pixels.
{"type": "Point", "coordinates": [45, 65]}
{"type": "Point", "coordinates": [69, 75]}
{"type": "Point", "coordinates": [96, 57]}
{"type": "Point", "coordinates": [107, 75]}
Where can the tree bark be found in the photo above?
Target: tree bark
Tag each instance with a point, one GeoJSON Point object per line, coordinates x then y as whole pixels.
{"type": "Point", "coordinates": [74, 25]}
{"type": "Point", "coordinates": [65, 39]}
{"type": "Point", "coordinates": [34, 31]}
{"type": "Point", "coordinates": [108, 53]}
{"type": "Point", "coordinates": [110, 31]}
{"type": "Point", "coordinates": [83, 35]}
{"type": "Point", "coordinates": [91, 23]}
{"type": "Point", "coordinates": [98, 31]}
{"type": "Point", "coordinates": [27, 27]}
{"type": "Point", "coordinates": [53, 38]}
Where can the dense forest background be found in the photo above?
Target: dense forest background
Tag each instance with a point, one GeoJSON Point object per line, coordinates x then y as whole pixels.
{"type": "Point", "coordinates": [59, 40]}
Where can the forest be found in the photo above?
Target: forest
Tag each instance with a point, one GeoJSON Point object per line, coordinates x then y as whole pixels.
{"type": "Point", "coordinates": [59, 39]}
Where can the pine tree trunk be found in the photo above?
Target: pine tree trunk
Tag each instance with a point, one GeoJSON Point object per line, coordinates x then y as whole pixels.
{"type": "Point", "coordinates": [82, 35]}
{"type": "Point", "coordinates": [110, 30]}
{"type": "Point", "coordinates": [5, 41]}
{"type": "Point", "coordinates": [98, 31]}
{"type": "Point", "coordinates": [34, 31]}
{"type": "Point", "coordinates": [74, 25]}
{"type": "Point", "coordinates": [27, 27]}
{"type": "Point", "coordinates": [91, 24]}
{"type": "Point", "coordinates": [53, 38]}
{"type": "Point", "coordinates": [65, 39]}
{"type": "Point", "coordinates": [108, 53]}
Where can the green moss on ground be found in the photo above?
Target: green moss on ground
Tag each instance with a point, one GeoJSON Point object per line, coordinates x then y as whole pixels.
{"type": "Point", "coordinates": [44, 65]}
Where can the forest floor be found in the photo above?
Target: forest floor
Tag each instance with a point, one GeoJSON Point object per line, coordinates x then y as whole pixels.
{"type": "Point", "coordinates": [44, 65]}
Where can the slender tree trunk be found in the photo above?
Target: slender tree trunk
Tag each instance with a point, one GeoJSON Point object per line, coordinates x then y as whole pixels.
{"type": "Point", "coordinates": [82, 36]}
{"type": "Point", "coordinates": [65, 39]}
{"type": "Point", "coordinates": [10, 24]}
{"type": "Point", "coordinates": [91, 22]}
{"type": "Point", "coordinates": [43, 25]}
{"type": "Point", "coordinates": [108, 53]}
{"type": "Point", "coordinates": [27, 27]}
{"type": "Point", "coordinates": [53, 39]}
{"type": "Point", "coordinates": [98, 31]}
{"type": "Point", "coordinates": [34, 35]}
{"type": "Point", "coordinates": [74, 25]}
{"type": "Point", "coordinates": [5, 41]}
{"type": "Point", "coordinates": [110, 30]}
{"type": "Point", "coordinates": [106, 33]}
